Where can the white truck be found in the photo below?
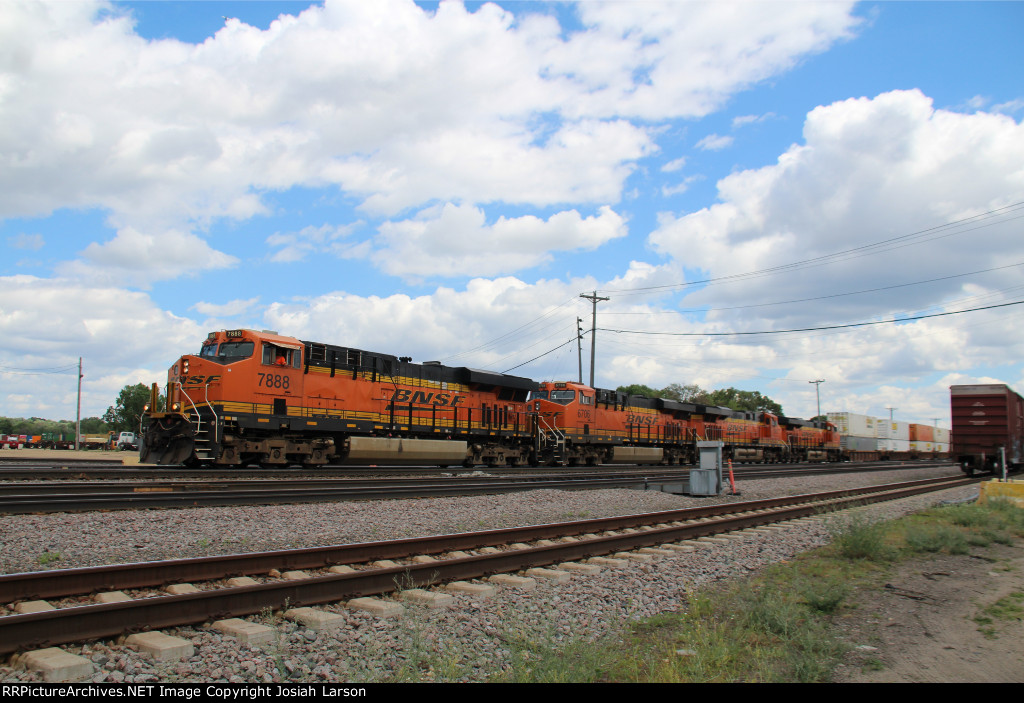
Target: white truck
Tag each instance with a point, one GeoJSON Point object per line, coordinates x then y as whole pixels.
{"type": "Point", "coordinates": [127, 440]}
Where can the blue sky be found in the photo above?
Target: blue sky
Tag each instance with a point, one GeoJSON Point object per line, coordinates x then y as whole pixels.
{"type": "Point", "coordinates": [443, 181]}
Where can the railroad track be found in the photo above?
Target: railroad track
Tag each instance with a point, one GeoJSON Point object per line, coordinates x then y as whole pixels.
{"type": "Point", "coordinates": [62, 497]}
{"type": "Point", "coordinates": [497, 551]}
{"type": "Point", "coordinates": [36, 470]}
{"type": "Point", "coordinates": [72, 496]}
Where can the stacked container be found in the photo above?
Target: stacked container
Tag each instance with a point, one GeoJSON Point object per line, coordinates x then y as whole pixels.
{"type": "Point", "coordinates": [856, 432]}
{"type": "Point", "coordinates": [922, 438]}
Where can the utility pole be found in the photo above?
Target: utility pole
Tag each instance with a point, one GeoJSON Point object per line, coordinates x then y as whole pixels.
{"type": "Point", "coordinates": [593, 298]}
{"type": "Point", "coordinates": [78, 412]}
{"type": "Point", "coordinates": [579, 344]}
{"type": "Point", "coordinates": [817, 392]}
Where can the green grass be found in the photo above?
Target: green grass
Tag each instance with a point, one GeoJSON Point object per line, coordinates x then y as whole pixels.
{"type": "Point", "coordinates": [47, 558]}
{"type": "Point", "coordinates": [1009, 607]}
{"type": "Point", "coordinates": [779, 625]}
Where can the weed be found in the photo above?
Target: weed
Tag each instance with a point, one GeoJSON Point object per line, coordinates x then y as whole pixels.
{"type": "Point", "coordinates": [872, 664]}
{"type": "Point", "coordinates": [936, 538]}
{"type": "Point", "coordinates": [860, 538]}
{"type": "Point", "coordinates": [965, 515]}
{"type": "Point", "coordinates": [47, 558]}
{"type": "Point", "coordinates": [1009, 607]}
{"type": "Point", "coordinates": [825, 596]}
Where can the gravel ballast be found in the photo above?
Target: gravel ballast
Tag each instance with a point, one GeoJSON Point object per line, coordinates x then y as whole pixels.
{"type": "Point", "coordinates": [471, 639]}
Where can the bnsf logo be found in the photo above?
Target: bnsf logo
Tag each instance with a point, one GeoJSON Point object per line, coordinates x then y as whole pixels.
{"type": "Point", "coordinates": [404, 395]}
{"type": "Point", "coordinates": [198, 380]}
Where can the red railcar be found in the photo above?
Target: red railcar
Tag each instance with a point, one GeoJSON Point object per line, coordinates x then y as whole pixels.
{"type": "Point", "coordinates": [988, 425]}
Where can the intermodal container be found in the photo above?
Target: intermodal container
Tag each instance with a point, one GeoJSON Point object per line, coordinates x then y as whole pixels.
{"type": "Point", "coordinates": [858, 444]}
{"type": "Point", "coordinates": [853, 424]}
{"type": "Point", "coordinates": [922, 433]}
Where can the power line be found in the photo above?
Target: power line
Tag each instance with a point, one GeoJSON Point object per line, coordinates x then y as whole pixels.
{"type": "Point", "coordinates": [550, 351]}
{"type": "Point", "coordinates": [820, 297]}
{"type": "Point", "coordinates": [36, 372]}
{"type": "Point", "coordinates": [930, 233]}
{"type": "Point", "coordinates": [812, 329]}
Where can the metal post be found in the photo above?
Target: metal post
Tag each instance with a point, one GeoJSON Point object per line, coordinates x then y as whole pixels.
{"type": "Point", "coordinates": [593, 298]}
{"type": "Point", "coordinates": [579, 344]}
{"type": "Point", "coordinates": [817, 392]}
{"type": "Point", "coordinates": [78, 412]}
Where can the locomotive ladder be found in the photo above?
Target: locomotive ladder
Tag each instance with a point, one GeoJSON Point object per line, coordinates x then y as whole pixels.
{"type": "Point", "coordinates": [548, 436]}
{"type": "Point", "coordinates": [201, 440]}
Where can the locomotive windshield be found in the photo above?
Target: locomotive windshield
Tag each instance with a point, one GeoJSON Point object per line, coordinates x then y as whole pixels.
{"type": "Point", "coordinates": [236, 350]}
{"type": "Point", "coordinates": [227, 351]}
{"type": "Point", "coordinates": [563, 397]}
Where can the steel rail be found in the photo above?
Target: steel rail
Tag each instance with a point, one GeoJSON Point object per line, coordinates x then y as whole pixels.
{"type": "Point", "coordinates": [22, 504]}
{"type": "Point", "coordinates": [38, 470]}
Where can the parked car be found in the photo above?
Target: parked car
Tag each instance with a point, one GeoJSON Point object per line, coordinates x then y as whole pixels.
{"type": "Point", "coordinates": [127, 440]}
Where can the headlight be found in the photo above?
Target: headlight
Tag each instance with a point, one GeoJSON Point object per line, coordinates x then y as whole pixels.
{"type": "Point", "coordinates": [145, 408]}
{"type": "Point", "coordinates": [184, 366]}
{"type": "Point", "coordinates": [176, 407]}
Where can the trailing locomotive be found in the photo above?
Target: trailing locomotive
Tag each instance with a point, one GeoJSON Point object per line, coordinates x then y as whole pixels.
{"type": "Point", "coordinates": [577, 424]}
{"type": "Point", "coordinates": [261, 398]}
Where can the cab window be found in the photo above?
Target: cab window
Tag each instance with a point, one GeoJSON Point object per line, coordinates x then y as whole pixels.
{"type": "Point", "coordinates": [538, 395]}
{"type": "Point", "coordinates": [235, 350]}
{"type": "Point", "coordinates": [281, 356]}
{"type": "Point", "coordinates": [563, 397]}
{"type": "Point", "coordinates": [209, 350]}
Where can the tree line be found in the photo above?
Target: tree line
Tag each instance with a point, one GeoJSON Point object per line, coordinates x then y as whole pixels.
{"type": "Point", "coordinates": [733, 398]}
{"type": "Point", "coordinates": [125, 415]}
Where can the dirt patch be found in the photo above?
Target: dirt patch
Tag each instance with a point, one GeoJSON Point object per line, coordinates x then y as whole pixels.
{"type": "Point", "coordinates": [921, 625]}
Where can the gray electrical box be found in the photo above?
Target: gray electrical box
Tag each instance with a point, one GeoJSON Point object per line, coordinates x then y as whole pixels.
{"type": "Point", "coordinates": [706, 480]}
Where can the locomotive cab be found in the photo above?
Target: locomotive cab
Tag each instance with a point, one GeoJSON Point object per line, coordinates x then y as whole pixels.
{"type": "Point", "coordinates": [235, 370]}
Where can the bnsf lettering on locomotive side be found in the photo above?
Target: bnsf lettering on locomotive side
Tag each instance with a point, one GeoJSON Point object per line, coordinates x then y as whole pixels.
{"type": "Point", "coordinates": [639, 419]}
{"type": "Point", "coordinates": [199, 380]}
{"type": "Point", "coordinates": [404, 395]}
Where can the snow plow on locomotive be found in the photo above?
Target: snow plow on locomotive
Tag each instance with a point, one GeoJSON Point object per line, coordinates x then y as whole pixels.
{"type": "Point", "coordinates": [253, 397]}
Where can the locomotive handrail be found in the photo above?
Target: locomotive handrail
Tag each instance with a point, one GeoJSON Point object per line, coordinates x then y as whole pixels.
{"type": "Point", "coordinates": [216, 418]}
{"type": "Point", "coordinates": [559, 435]}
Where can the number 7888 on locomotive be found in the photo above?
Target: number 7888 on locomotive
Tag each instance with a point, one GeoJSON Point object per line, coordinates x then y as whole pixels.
{"type": "Point", "coordinates": [262, 398]}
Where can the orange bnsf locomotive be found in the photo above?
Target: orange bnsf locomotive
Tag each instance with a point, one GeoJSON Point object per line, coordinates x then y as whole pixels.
{"type": "Point", "coordinates": [261, 398]}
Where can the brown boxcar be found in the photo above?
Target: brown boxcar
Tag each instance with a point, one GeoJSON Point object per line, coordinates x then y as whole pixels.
{"type": "Point", "coordinates": [988, 422]}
